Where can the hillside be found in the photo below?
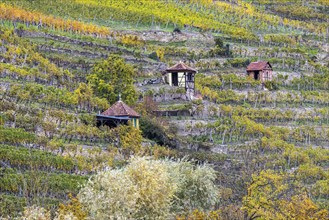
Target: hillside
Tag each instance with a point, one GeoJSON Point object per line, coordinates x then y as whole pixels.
{"type": "Point", "coordinates": [65, 61]}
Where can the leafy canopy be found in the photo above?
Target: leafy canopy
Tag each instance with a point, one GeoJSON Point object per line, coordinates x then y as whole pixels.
{"type": "Point", "coordinates": [112, 77]}
{"type": "Point", "coordinates": [271, 196]}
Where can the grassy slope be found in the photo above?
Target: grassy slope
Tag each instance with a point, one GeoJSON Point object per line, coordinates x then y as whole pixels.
{"type": "Point", "coordinates": [57, 128]}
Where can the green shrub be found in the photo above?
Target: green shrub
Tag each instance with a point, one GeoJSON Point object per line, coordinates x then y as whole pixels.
{"type": "Point", "coordinates": [153, 130]}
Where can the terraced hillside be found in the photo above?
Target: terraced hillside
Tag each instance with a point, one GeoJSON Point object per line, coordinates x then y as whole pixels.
{"type": "Point", "coordinates": [64, 61]}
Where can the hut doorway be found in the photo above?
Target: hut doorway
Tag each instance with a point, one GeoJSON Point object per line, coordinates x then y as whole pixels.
{"type": "Point", "coordinates": [256, 75]}
{"type": "Point", "coordinates": [174, 78]}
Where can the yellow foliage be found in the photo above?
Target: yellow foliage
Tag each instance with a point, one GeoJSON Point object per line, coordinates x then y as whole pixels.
{"type": "Point", "coordinates": [17, 14]}
{"type": "Point", "coordinates": [268, 199]}
{"type": "Point", "coordinates": [302, 207]}
{"type": "Point", "coordinates": [73, 208]}
{"type": "Point", "coordinates": [130, 140]}
{"type": "Point", "coordinates": [160, 53]}
{"type": "Point", "coordinates": [324, 2]}
{"type": "Point", "coordinates": [131, 40]}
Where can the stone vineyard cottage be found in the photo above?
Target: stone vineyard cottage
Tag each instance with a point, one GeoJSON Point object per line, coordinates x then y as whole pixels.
{"type": "Point", "coordinates": [181, 75]}
{"type": "Point", "coordinates": [260, 70]}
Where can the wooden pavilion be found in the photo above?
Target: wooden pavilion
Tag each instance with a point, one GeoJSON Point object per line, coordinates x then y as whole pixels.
{"type": "Point", "coordinates": [118, 113]}
{"type": "Point", "coordinates": [181, 75]}
{"type": "Point", "coordinates": [260, 70]}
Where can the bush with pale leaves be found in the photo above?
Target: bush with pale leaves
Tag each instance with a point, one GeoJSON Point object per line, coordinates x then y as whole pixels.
{"type": "Point", "coordinates": [150, 189]}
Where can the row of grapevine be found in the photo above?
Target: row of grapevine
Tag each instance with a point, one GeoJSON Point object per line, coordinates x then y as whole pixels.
{"type": "Point", "coordinates": [12, 205]}
{"type": "Point", "coordinates": [232, 20]}
{"type": "Point", "coordinates": [22, 157]}
{"type": "Point", "coordinates": [39, 183]}
{"type": "Point", "coordinates": [23, 62]}
{"type": "Point", "coordinates": [50, 95]}
{"type": "Point", "coordinates": [8, 12]}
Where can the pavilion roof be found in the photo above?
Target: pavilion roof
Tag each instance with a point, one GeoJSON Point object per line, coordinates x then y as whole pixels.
{"type": "Point", "coordinates": [259, 65]}
{"type": "Point", "coordinates": [181, 67]}
{"type": "Point", "coordinates": [121, 109]}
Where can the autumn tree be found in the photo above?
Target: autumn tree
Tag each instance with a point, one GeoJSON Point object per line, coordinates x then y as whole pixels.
{"type": "Point", "coordinates": [129, 140]}
{"type": "Point", "coordinates": [83, 95]}
{"type": "Point", "coordinates": [271, 196]}
{"type": "Point", "coordinates": [112, 77]}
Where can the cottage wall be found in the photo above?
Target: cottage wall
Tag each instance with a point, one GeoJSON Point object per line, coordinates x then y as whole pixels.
{"type": "Point", "coordinates": [185, 80]}
{"type": "Point", "coordinates": [251, 74]}
{"type": "Point", "coordinates": [169, 79]}
{"type": "Point", "coordinates": [181, 80]}
{"type": "Point", "coordinates": [266, 75]}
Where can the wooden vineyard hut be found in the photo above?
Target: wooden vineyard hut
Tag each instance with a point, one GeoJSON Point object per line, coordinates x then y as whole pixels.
{"type": "Point", "coordinates": [118, 113]}
{"type": "Point", "coordinates": [260, 70]}
{"type": "Point", "coordinates": [181, 75]}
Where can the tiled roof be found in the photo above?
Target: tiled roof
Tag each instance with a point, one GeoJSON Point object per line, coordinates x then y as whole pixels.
{"type": "Point", "coordinates": [259, 65]}
{"type": "Point", "coordinates": [120, 109]}
{"type": "Point", "coordinates": [181, 67]}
